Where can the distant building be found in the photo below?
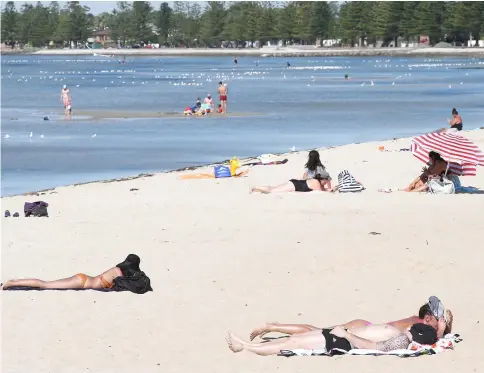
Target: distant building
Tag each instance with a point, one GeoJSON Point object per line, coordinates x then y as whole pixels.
{"type": "Point", "coordinates": [102, 37]}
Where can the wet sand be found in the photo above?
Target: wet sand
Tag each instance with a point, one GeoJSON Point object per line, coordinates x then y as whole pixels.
{"type": "Point", "coordinates": [105, 114]}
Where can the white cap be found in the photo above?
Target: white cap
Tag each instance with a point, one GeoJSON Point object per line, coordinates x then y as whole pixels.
{"type": "Point", "coordinates": [64, 86]}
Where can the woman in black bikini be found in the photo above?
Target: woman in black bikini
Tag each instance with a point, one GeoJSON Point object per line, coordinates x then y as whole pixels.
{"type": "Point", "coordinates": [127, 270]}
{"type": "Point", "coordinates": [456, 122]}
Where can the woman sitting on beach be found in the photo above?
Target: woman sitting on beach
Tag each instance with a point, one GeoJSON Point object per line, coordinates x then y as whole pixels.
{"type": "Point", "coordinates": [124, 276]}
{"type": "Point", "coordinates": [456, 121]}
{"type": "Point", "coordinates": [314, 167]}
{"type": "Point", "coordinates": [437, 167]}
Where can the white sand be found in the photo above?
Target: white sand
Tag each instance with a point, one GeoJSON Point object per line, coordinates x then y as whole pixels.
{"type": "Point", "coordinates": [268, 51]}
{"type": "Point", "coordinates": [220, 258]}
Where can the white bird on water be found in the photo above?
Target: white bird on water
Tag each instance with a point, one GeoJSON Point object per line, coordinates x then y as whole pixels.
{"type": "Point", "coordinates": [31, 134]}
{"type": "Point", "coordinates": [41, 136]}
{"type": "Point", "coordinates": [93, 135]}
{"type": "Point", "coordinates": [7, 136]}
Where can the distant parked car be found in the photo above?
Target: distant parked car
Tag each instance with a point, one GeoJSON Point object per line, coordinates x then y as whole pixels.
{"type": "Point", "coordinates": [135, 46]}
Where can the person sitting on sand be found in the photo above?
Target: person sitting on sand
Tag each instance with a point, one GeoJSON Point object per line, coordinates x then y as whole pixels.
{"type": "Point", "coordinates": [456, 121]}
{"type": "Point", "coordinates": [219, 109]}
{"type": "Point", "coordinates": [381, 337]}
{"type": "Point", "coordinates": [431, 313]}
{"type": "Point", "coordinates": [314, 167]}
{"type": "Point", "coordinates": [209, 102]}
{"type": "Point", "coordinates": [437, 167]}
{"type": "Point", "coordinates": [124, 276]}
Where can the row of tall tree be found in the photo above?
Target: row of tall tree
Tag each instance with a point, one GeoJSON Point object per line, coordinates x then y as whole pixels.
{"type": "Point", "coordinates": [192, 24]}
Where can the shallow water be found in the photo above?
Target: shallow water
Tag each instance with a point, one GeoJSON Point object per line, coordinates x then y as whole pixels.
{"type": "Point", "coordinates": [308, 105]}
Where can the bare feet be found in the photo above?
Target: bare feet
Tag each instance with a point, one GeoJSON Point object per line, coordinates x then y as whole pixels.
{"type": "Point", "coordinates": [262, 331]}
{"type": "Point", "coordinates": [6, 285]}
{"type": "Point", "coordinates": [234, 343]}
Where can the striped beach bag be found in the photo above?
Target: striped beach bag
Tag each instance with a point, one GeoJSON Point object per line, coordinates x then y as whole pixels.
{"type": "Point", "coordinates": [347, 183]}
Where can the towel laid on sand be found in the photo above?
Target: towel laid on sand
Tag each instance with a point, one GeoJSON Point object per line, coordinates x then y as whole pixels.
{"type": "Point", "coordinates": [448, 342]}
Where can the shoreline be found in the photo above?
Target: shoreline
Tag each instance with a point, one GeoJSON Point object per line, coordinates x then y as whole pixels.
{"type": "Point", "coordinates": [261, 52]}
{"type": "Point", "coordinates": [195, 168]}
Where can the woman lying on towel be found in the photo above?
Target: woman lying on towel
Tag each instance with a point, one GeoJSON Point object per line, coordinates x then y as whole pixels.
{"type": "Point", "coordinates": [437, 167]}
{"type": "Point", "coordinates": [124, 276]}
{"type": "Point", "coordinates": [371, 337]}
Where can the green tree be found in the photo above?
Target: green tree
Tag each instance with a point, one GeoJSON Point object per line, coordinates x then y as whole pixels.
{"type": "Point", "coordinates": [25, 25]}
{"type": "Point", "coordinates": [429, 19]}
{"type": "Point", "coordinates": [80, 25]}
{"type": "Point", "coordinates": [120, 25]}
{"type": "Point", "coordinates": [9, 23]}
{"type": "Point", "coordinates": [40, 32]}
{"type": "Point", "coordinates": [320, 20]}
{"type": "Point", "coordinates": [213, 22]}
{"type": "Point", "coordinates": [265, 29]}
{"type": "Point", "coordinates": [164, 22]}
{"type": "Point", "coordinates": [285, 23]}
{"type": "Point", "coordinates": [408, 25]}
{"type": "Point", "coordinates": [140, 21]}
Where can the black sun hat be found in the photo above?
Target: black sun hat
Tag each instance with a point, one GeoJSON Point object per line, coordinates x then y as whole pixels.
{"type": "Point", "coordinates": [423, 334]}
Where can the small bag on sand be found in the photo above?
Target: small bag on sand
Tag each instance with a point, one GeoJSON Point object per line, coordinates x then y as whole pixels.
{"type": "Point", "coordinates": [441, 186]}
{"type": "Point", "coordinates": [38, 209]}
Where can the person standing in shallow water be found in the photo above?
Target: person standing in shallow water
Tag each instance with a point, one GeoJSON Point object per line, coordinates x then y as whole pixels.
{"type": "Point", "coordinates": [66, 101]}
{"type": "Point", "coordinates": [222, 92]}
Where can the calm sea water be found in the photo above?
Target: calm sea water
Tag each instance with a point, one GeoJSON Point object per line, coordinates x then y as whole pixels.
{"type": "Point", "coordinates": [308, 105]}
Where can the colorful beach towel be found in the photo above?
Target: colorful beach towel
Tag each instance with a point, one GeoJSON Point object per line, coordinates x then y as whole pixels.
{"type": "Point", "coordinates": [448, 342]}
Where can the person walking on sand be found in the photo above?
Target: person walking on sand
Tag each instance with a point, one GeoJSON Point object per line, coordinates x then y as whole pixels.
{"type": "Point", "coordinates": [65, 98]}
{"type": "Point", "coordinates": [222, 92]}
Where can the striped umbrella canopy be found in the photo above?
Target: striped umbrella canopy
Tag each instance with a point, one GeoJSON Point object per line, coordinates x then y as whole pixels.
{"type": "Point", "coordinates": [461, 153]}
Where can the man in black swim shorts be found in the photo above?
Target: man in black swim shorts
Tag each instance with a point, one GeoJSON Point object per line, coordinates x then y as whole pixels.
{"type": "Point", "coordinates": [335, 344]}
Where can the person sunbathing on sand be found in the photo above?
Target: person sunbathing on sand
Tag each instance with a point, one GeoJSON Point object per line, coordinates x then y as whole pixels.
{"type": "Point", "coordinates": [294, 185]}
{"type": "Point", "coordinates": [430, 313]}
{"type": "Point", "coordinates": [382, 337]}
{"type": "Point", "coordinates": [437, 167]}
{"type": "Point", "coordinates": [128, 269]}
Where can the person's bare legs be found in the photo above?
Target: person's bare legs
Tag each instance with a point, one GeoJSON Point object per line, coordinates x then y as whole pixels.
{"type": "Point", "coordinates": [275, 327]}
{"type": "Point", "coordinates": [284, 188]}
{"type": "Point", "coordinates": [423, 188]}
{"type": "Point", "coordinates": [74, 282]}
{"type": "Point", "coordinates": [307, 341]}
{"type": "Point", "coordinates": [291, 329]}
{"type": "Point", "coordinates": [417, 183]}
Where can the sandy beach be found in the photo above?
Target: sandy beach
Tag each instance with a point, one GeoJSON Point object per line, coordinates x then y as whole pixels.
{"type": "Point", "coordinates": [222, 259]}
{"type": "Point", "coordinates": [305, 51]}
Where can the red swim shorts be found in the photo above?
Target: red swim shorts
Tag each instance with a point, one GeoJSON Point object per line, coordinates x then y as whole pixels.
{"type": "Point", "coordinates": [223, 97]}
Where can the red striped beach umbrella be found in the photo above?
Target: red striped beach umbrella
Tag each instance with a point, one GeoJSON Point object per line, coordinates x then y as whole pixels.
{"type": "Point", "coordinates": [461, 153]}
